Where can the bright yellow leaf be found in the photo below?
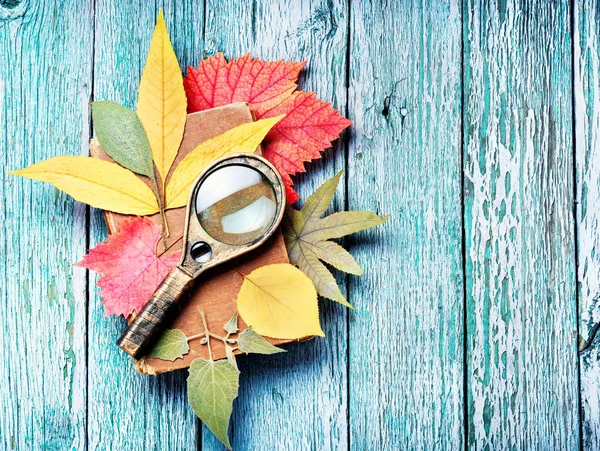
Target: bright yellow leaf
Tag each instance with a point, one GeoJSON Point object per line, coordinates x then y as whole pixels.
{"type": "Point", "coordinates": [162, 102]}
{"type": "Point", "coordinates": [280, 301]}
{"type": "Point", "coordinates": [244, 138]}
{"type": "Point", "coordinates": [98, 183]}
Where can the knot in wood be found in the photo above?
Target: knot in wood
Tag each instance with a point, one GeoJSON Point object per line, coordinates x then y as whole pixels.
{"type": "Point", "coordinates": [12, 9]}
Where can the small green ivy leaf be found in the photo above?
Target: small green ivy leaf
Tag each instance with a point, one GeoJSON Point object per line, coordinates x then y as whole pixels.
{"type": "Point", "coordinates": [212, 387]}
{"type": "Point", "coordinates": [172, 345]}
{"type": "Point", "coordinates": [231, 326]}
{"type": "Point", "coordinates": [251, 342]}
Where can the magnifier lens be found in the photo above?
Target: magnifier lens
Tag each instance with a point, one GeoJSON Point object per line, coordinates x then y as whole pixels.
{"type": "Point", "coordinates": [236, 204]}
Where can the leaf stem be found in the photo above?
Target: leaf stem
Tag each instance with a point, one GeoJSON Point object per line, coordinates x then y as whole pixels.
{"type": "Point", "coordinates": [238, 271]}
{"type": "Point", "coordinates": [170, 246]}
{"type": "Point", "coordinates": [163, 213]}
{"type": "Point", "coordinates": [206, 333]}
{"type": "Point", "coordinates": [223, 339]}
{"type": "Point", "coordinates": [194, 337]}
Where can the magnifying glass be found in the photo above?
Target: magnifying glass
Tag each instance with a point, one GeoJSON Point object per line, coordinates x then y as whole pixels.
{"type": "Point", "coordinates": [235, 206]}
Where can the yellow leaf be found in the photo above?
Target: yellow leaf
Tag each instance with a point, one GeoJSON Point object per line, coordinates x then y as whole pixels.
{"type": "Point", "coordinates": [279, 301]}
{"type": "Point", "coordinates": [162, 102]}
{"type": "Point", "coordinates": [97, 183]}
{"type": "Point", "coordinates": [244, 138]}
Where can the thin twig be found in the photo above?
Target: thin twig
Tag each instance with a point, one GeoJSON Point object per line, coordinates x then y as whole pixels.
{"type": "Point", "coordinates": [163, 213]}
{"type": "Point", "coordinates": [170, 246]}
{"type": "Point", "coordinates": [207, 333]}
{"type": "Point", "coordinates": [223, 339]}
{"type": "Point", "coordinates": [200, 335]}
{"type": "Point", "coordinates": [238, 271]}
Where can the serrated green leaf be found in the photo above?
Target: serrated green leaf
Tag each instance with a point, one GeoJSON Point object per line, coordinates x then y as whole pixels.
{"type": "Point", "coordinates": [251, 342]}
{"type": "Point", "coordinates": [231, 326]}
{"type": "Point", "coordinates": [306, 237]}
{"type": "Point", "coordinates": [231, 357]}
{"type": "Point", "coordinates": [122, 136]}
{"type": "Point", "coordinates": [172, 345]}
{"type": "Point", "coordinates": [212, 387]}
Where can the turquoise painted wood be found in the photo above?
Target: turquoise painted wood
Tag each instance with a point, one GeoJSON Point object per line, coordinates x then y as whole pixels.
{"type": "Point", "coordinates": [521, 331]}
{"type": "Point", "coordinates": [406, 340]}
{"type": "Point", "coordinates": [586, 45]}
{"type": "Point", "coordinates": [476, 126]}
{"type": "Point", "coordinates": [45, 85]}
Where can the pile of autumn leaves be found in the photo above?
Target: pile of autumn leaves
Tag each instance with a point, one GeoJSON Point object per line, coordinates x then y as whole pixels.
{"type": "Point", "coordinates": [293, 127]}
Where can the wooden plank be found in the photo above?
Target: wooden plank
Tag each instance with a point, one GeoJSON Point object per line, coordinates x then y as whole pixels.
{"type": "Point", "coordinates": [406, 346]}
{"type": "Point", "coordinates": [520, 250]}
{"type": "Point", "coordinates": [295, 400]}
{"type": "Point", "coordinates": [128, 410]}
{"type": "Point", "coordinates": [586, 46]}
{"type": "Point", "coordinates": [45, 83]}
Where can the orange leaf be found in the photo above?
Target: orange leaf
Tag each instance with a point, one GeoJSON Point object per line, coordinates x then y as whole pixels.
{"type": "Point", "coordinates": [309, 127]}
{"type": "Point", "coordinates": [130, 268]}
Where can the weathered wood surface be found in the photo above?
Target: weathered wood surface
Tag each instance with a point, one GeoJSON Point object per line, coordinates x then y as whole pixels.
{"type": "Point", "coordinates": [406, 342]}
{"type": "Point", "coordinates": [45, 84]}
{"type": "Point", "coordinates": [586, 45]}
{"type": "Point", "coordinates": [476, 127]}
{"type": "Point", "coordinates": [519, 231]}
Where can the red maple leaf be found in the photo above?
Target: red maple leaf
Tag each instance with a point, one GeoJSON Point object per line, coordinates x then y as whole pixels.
{"type": "Point", "coordinates": [130, 268]}
{"type": "Point", "coordinates": [309, 127]}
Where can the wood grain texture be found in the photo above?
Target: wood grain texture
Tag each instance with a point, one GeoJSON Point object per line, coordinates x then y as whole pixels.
{"type": "Point", "coordinates": [406, 347]}
{"type": "Point", "coordinates": [127, 410]}
{"type": "Point", "coordinates": [45, 80]}
{"type": "Point", "coordinates": [520, 250]}
{"type": "Point", "coordinates": [297, 400]}
{"type": "Point", "coordinates": [453, 102]}
{"type": "Point", "coordinates": [586, 47]}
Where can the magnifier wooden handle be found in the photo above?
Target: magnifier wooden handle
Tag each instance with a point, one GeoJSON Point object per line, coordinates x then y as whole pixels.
{"type": "Point", "coordinates": [145, 327]}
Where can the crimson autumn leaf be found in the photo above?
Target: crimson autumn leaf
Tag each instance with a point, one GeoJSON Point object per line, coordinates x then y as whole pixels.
{"type": "Point", "coordinates": [130, 268]}
{"type": "Point", "coordinates": [310, 124]}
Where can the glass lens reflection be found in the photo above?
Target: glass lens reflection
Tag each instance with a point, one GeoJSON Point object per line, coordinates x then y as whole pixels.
{"type": "Point", "coordinates": [236, 204]}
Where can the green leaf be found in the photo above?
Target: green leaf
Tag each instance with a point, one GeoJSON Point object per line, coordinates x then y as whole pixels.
{"type": "Point", "coordinates": [231, 357]}
{"type": "Point", "coordinates": [231, 326]}
{"type": "Point", "coordinates": [122, 137]}
{"type": "Point", "coordinates": [306, 237]}
{"type": "Point", "coordinates": [212, 387]}
{"type": "Point", "coordinates": [172, 345]}
{"type": "Point", "coordinates": [251, 342]}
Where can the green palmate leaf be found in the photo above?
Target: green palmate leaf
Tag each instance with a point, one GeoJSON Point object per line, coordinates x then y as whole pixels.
{"type": "Point", "coordinates": [251, 342]}
{"type": "Point", "coordinates": [172, 345]}
{"type": "Point", "coordinates": [231, 326]}
{"type": "Point", "coordinates": [212, 387]}
{"type": "Point", "coordinates": [306, 235]}
{"type": "Point", "coordinates": [122, 137]}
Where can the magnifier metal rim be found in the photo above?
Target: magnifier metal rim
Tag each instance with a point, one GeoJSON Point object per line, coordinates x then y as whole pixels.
{"type": "Point", "coordinates": [230, 250]}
